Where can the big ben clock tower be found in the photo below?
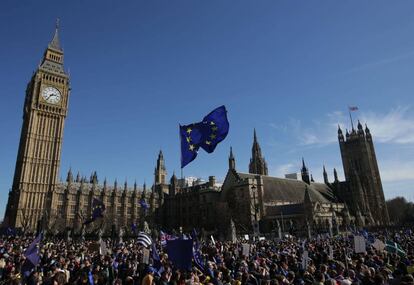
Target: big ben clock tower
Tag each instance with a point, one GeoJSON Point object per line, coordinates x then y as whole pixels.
{"type": "Point", "coordinates": [38, 158]}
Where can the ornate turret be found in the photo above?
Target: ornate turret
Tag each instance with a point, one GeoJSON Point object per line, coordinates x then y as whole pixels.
{"type": "Point", "coordinates": [257, 164]}
{"type": "Point", "coordinates": [360, 129]}
{"type": "Point", "coordinates": [367, 133]}
{"type": "Point", "coordinates": [173, 185]}
{"type": "Point", "coordinates": [340, 134]}
{"type": "Point", "coordinates": [160, 171]}
{"type": "Point", "coordinates": [105, 186]}
{"type": "Point", "coordinates": [94, 178]}
{"type": "Point", "coordinates": [69, 178]}
{"type": "Point", "coordinates": [78, 178]}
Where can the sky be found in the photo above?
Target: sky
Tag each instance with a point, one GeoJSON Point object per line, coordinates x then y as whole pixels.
{"type": "Point", "coordinates": [138, 69]}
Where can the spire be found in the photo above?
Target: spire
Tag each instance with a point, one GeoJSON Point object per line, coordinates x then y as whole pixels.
{"type": "Point", "coordinates": [325, 176]}
{"type": "Point", "coordinates": [312, 178]}
{"type": "Point", "coordinates": [104, 184]}
{"type": "Point", "coordinates": [125, 185]}
{"type": "Point", "coordinates": [254, 136]}
{"type": "Point", "coordinates": [303, 165]}
{"type": "Point", "coordinates": [69, 178]}
{"type": "Point", "coordinates": [116, 184]}
{"type": "Point", "coordinates": [135, 185]}
{"type": "Point", "coordinates": [305, 173]}
{"type": "Point", "coordinates": [55, 43]}
{"type": "Point", "coordinates": [335, 175]}
{"type": "Point", "coordinates": [360, 129]}
{"type": "Point", "coordinates": [232, 161]}
{"type": "Point", "coordinates": [257, 162]}
{"type": "Point", "coordinates": [78, 178]}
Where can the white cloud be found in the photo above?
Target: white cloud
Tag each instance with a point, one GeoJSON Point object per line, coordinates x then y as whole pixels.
{"type": "Point", "coordinates": [397, 126]}
{"type": "Point", "coordinates": [396, 170]}
{"type": "Point", "coordinates": [394, 127]}
{"type": "Point", "coordinates": [380, 62]}
{"type": "Point", "coordinates": [283, 169]}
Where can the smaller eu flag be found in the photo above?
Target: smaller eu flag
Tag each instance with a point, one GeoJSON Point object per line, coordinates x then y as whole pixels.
{"type": "Point", "coordinates": [32, 256]}
{"type": "Point", "coordinates": [144, 205]}
{"type": "Point", "coordinates": [205, 134]}
{"type": "Point", "coordinates": [98, 207]}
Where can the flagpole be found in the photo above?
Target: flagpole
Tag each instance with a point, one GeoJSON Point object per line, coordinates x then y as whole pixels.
{"type": "Point", "coordinates": [350, 116]}
{"type": "Point", "coordinates": [181, 151]}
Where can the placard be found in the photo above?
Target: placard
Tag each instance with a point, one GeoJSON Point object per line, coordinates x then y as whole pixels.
{"type": "Point", "coordinates": [359, 242]}
{"type": "Point", "coordinates": [378, 245]}
{"type": "Point", "coordinates": [245, 249]}
{"type": "Point", "coordinates": [145, 256]}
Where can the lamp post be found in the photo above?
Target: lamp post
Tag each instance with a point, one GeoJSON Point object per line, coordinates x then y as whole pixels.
{"type": "Point", "coordinates": [256, 209]}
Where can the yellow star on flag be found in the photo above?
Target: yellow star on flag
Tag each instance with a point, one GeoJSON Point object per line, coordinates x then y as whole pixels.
{"type": "Point", "coordinates": [208, 142]}
{"type": "Point", "coordinates": [214, 129]}
{"type": "Point", "coordinates": [188, 139]}
{"type": "Point", "coordinates": [212, 136]}
{"type": "Point", "coordinates": [191, 147]}
{"type": "Point", "coordinates": [189, 130]}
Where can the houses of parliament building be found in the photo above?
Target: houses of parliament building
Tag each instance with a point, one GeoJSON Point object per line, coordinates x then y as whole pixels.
{"type": "Point", "coordinates": [246, 199]}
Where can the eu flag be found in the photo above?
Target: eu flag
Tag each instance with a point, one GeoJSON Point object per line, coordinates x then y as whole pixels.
{"type": "Point", "coordinates": [98, 207]}
{"type": "Point", "coordinates": [205, 134]}
{"type": "Point", "coordinates": [144, 205]}
{"type": "Point", "coordinates": [32, 256]}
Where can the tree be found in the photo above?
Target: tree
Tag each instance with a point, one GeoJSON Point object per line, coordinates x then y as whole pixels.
{"type": "Point", "coordinates": [400, 211]}
{"type": "Point", "coordinates": [25, 217]}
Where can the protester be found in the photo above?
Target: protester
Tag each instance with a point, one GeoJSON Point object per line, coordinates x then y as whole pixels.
{"type": "Point", "coordinates": [246, 262]}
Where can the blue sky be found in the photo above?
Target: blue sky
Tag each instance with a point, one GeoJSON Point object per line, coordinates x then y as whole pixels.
{"type": "Point", "coordinates": [287, 68]}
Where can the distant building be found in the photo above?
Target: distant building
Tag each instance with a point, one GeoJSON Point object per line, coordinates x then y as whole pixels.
{"type": "Point", "coordinates": [295, 176]}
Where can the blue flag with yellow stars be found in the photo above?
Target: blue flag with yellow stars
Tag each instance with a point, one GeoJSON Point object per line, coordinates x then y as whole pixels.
{"type": "Point", "coordinates": [205, 134]}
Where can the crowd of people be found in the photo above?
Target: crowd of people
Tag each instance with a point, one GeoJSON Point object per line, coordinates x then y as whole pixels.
{"type": "Point", "coordinates": [320, 260]}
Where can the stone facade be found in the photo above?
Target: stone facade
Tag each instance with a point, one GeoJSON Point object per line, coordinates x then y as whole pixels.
{"type": "Point", "coordinates": [362, 188]}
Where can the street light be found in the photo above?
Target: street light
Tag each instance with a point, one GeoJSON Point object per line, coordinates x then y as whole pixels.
{"type": "Point", "coordinates": [256, 209]}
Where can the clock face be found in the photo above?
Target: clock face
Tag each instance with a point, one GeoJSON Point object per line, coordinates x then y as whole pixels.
{"type": "Point", "coordinates": [51, 95]}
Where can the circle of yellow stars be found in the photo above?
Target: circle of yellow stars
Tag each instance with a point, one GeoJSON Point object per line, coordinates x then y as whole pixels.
{"type": "Point", "coordinates": [212, 136]}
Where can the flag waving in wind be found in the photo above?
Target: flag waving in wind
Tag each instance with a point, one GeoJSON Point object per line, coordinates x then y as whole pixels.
{"type": "Point", "coordinates": [32, 256]}
{"type": "Point", "coordinates": [206, 134]}
{"type": "Point", "coordinates": [98, 207]}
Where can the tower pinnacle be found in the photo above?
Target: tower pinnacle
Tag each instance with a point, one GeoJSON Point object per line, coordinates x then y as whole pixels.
{"type": "Point", "coordinates": [257, 164]}
{"type": "Point", "coordinates": [55, 43]}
